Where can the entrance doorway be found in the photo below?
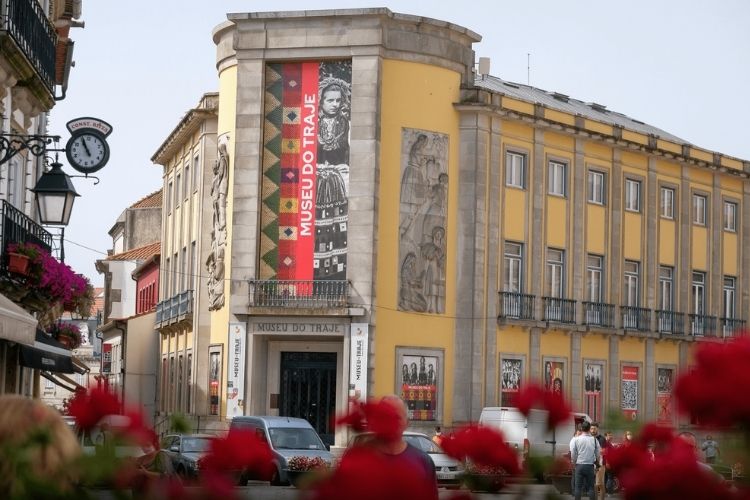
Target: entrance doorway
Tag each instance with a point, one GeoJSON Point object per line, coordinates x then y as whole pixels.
{"type": "Point", "coordinates": [308, 390]}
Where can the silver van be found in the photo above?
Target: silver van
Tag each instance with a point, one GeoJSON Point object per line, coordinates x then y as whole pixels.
{"type": "Point", "coordinates": [288, 437]}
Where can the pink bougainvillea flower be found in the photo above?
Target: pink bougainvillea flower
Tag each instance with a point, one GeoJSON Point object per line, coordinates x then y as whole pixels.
{"type": "Point", "coordinates": [89, 407]}
{"type": "Point", "coordinates": [482, 446]}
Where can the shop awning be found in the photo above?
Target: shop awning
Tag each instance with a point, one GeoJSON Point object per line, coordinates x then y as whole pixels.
{"type": "Point", "coordinates": [62, 381]}
{"type": "Point", "coordinates": [16, 324]}
{"type": "Point", "coordinates": [47, 354]}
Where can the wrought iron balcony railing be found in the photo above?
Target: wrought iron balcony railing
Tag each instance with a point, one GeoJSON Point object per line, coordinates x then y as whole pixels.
{"type": "Point", "coordinates": [33, 33]}
{"type": "Point", "coordinates": [558, 310]}
{"type": "Point", "coordinates": [16, 227]}
{"type": "Point", "coordinates": [516, 305]}
{"type": "Point", "coordinates": [670, 322]}
{"type": "Point", "coordinates": [599, 314]}
{"type": "Point", "coordinates": [732, 327]}
{"type": "Point", "coordinates": [636, 318]}
{"type": "Point", "coordinates": [174, 309]}
{"type": "Point", "coordinates": [702, 325]}
{"type": "Point", "coordinates": [326, 294]}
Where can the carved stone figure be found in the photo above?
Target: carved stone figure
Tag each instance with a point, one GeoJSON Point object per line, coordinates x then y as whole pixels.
{"type": "Point", "coordinates": [215, 260]}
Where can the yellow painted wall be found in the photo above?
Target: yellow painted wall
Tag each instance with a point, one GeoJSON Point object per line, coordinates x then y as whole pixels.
{"type": "Point", "coordinates": [632, 236]}
{"type": "Point", "coordinates": [555, 343]}
{"type": "Point", "coordinates": [669, 146]}
{"type": "Point", "coordinates": [731, 183]}
{"type": "Point", "coordinates": [634, 137]}
{"type": "Point", "coordinates": [667, 242]}
{"type": "Point", "coordinates": [631, 159]}
{"type": "Point", "coordinates": [560, 117]}
{"type": "Point", "coordinates": [702, 176]}
{"type": "Point", "coordinates": [698, 248]}
{"type": "Point", "coordinates": [595, 347]}
{"type": "Point", "coordinates": [514, 220]}
{"type": "Point", "coordinates": [595, 235]}
{"type": "Point", "coordinates": [427, 105]}
{"type": "Point", "coordinates": [730, 253]}
{"type": "Point", "coordinates": [668, 171]}
{"type": "Point", "coordinates": [557, 219]}
{"type": "Point", "coordinates": [565, 143]}
{"type": "Point", "coordinates": [598, 151]}
{"type": "Point", "coordinates": [702, 154]}
{"type": "Point", "coordinates": [632, 349]}
{"type": "Point", "coordinates": [598, 127]}
{"type": "Point", "coordinates": [517, 131]}
{"type": "Point", "coordinates": [666, 353]}
{"type": "Point", "coordinates": [516, 105]}
{"type": "Point", "coordinates": [512, 340]}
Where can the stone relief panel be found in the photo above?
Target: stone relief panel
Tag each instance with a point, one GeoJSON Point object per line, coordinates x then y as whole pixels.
{"type": "Point", "coordinates": [422, 220]}
{"type": "Point", "coordinates": [215, 260]}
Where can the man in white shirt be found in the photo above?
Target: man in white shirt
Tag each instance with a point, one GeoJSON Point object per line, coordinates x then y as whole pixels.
{"type": "Point", "coordinates": [584, 454]}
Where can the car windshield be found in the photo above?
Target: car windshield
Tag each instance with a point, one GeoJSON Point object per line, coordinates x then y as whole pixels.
{"type": "Point", "coordinates": [193, 445]}
{"type": "Point", "coordinates": [289, 438]}
{"type": "Point", "coordinates": [423, 443]}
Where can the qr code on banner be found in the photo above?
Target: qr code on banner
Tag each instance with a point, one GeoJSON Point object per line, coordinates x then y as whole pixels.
{"type": "Point", "coordinates": [630, 394]}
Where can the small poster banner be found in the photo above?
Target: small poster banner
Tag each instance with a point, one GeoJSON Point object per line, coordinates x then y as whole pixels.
{"type": "Point", "coordinates": [360, 333]}
{"type": "Point", "coordinates": [236, 376]}
{"type": "Point", "coordinates": [629, 392]}
{"type": "Point", "coordinates": [664, 378]}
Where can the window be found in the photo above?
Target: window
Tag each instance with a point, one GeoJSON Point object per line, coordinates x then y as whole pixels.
{"type": "Point", "coordinates": [667, 203]}
{"type": "Point", "coordinates": [515, 169]}
{"type": "Point", "coordinates": [177, 190]}
{"type": "Point", "coordinates": [167, 279]}
{"type": "Point", "coordinates": [555, 273]}
{"type": "Point", "coordinates": [189, 381]}
{"type": "Point", "coordinates": [632, 195]}
{"type": "Point", "coordinates": [556, 178]}
{"type": "Point", "coordinates": [513, 267]}
{"type": "Point", "coordinates": [187, 181]}
{"type": "Point", "coordinates": [729, 296]}
{"type": "Point", "coordinates": [191, 278]}
{"type": "Point", "coordinates": [169, 198]}
{"type": "Point", "coordinates": [15, 183]}
{"type": "Point", "coordinates": [631, 283]}
{"type": "Point", "coordinates": [730, 216]}
{"type": "Point", "coordinates": [196, 169]}
{"type": "Point", "coordinates": [666, 285]}
{"type": "Point", "coordinates": [699, 210]}
{"type": "Point", "coordinates": [180, 382]}
{"type": "Point", "coordinates": [596, 187]}
{"type": "Point", "coordinates": [175, 275]}
{"type": "Point", "coordinates": [183, 270]}
{"type": "Point", "coordinates": [699, 297]}
{"type": "Point", "coordinates": [594, 278]}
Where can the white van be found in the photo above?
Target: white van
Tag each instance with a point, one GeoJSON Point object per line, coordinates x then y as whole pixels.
{"type": "Point", "coordinates": [530, 435]}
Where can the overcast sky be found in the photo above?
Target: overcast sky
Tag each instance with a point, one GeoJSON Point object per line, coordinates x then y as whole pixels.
{"type": "Point", "coordinates": [680, 65]}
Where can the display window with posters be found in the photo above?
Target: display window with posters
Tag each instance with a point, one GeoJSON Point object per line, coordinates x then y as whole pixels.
{"type": "Point", "coordinates": [593, 389]}
{"type": "Point", "coordinates": [664, 402]}
{"type": "Point", "coordinates": [630, 391]}
{"type": "Point", "coordinates": [553, 375]}
{"type": "Point", "coordinates": [419, 382]}
{"type": "Point", "coordinates": [214, 379]}
{"type": "Point", "coordinates": [511, 378]}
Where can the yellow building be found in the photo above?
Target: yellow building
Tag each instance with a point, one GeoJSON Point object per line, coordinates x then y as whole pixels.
{"type": "Point", "coordinates": [385, 219]}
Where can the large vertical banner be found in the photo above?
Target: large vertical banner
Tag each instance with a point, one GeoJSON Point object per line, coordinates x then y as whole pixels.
{"type": "Point", "coordinates": [629, 392]}
{"type": "Point", "coordinates": [107, 358]}
{"type": "Point", "coordinates": [305, 184]}
{"type": "Point", "coordinates": [510, 384]}
{"type": "Point", "coordinates": [236, 376]}
{"type": "Point", "coordinates": [419, 385]}
{"type": "Point", "coordinates": [554, 375]}
{"type": "Point", "coordinates": [214, 380]}
{"type": "Point", "coordinates": [592, 390]}
{"type": "Point", "coordinates": [358, 348]}
{"type": "Point", "coordinates": [664, 378]}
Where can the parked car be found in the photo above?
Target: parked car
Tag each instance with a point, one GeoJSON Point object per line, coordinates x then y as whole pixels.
{"type": "Point", "coordinates": [448, 470]}
{"type": "Point", "coordinates": [184, 451]}
{"type": "Point", "coordinates": [288, 437]}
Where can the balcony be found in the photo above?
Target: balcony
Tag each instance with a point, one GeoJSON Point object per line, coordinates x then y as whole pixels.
{"type": "Point", "coordinates": [26, 24]}
{"type": "Point", "coordinates": [16, 227]}
{"type": "Point", "coordinates": [636, 318]}
{"type": "Point", "coordinates": [299, 294]}
{"type": "Point", "coordinates": [599, 314]}
{"type": "Point", "coordinates": [702, 325]}
{"type": "Point", "coordinates": [516, 306]}
{"type": "Point", "coordinates": [177, 309]}
{"type": "Point", "coordinates": [732, 327]}
{"type": "Point", "coordinates": [670, 322]}
{"type": "Point", "coordinates": [559, 310]}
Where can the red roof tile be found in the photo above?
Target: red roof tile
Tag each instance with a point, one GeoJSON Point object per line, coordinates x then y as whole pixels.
{"type": "Point", "coordinates": [140, 253]}
{"type": "Point", "coordinates": [151, 201]}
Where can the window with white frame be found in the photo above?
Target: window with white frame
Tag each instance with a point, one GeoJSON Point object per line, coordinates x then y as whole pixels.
{"type": "Point", "coordinates": [169, 198]}
{"type": "Point", "coordinates": [699, 209]}
{"type": "Point", "coordinates": [730, 216]}
{"type": "Point", "coordinates": [699, 292]}
{"type": "Point", "coordinates": [666, 286]}
{"type": "Point", "coordinates": [730, 289]}
{"type": "Point", "coordinates": [513, 267]}
{"type": "Point", "coordinates": [187, 181]}
{"type": "Point", "coordinates": [196, 171]}
{"type": "Point", "coordinates": [596, 187]}
{"type": "Point", "coordinates": [16, 182]}
{"type": "Point", "coordinates": [667, 203]}
{"type": "Point", "coordinates": [555, 273]}
{"type": "Point", "coordinates": [556, 178]}
{"type": "Point", "coordinates": [632, 269]}
{"type": "Point", "coordinates": [177, 190]}
{"type": "Point", "coordinates": [515, 169]}
{"type": "Point", "coordinates": [632, 195]}
{"type": "Point", "coordinates": [594, 278]}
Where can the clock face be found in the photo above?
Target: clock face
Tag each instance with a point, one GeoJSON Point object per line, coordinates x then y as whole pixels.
{"type": "Point", "coordinates": [87, 152]}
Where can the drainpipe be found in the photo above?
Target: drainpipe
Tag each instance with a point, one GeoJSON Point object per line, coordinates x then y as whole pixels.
{"type": "Point", "coordinates": [123, 333]}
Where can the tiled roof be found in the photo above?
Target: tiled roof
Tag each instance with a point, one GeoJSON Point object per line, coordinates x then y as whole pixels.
{"type": "Point", "coordinates": [98, 299]}
{"type": "Point", "coordinates": [560, 102]}
{"type": "Point", "coordinates": [140, 253]}
{"type": "Point", "coordinates": [151, 201]}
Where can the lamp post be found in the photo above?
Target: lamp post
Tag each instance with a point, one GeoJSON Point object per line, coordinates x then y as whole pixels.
{"type": "Point", "coordinates": [55, 195]}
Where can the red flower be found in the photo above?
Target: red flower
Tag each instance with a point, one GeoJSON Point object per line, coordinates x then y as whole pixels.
{"type": "Point", "coordinates": [366, 474]}
{"type": "Point", "coordinates": [228, 457]}
{"type": "Point", "coordinates": [136, 430]}
{"type": "Point", "coordinates": [90, 407]}
{"type": "Point", "coordinates": [483, 446]}
{"type": "Point", "coordinates": [381, 417]}
{"type": "Point", "coordinates": [535, 396]}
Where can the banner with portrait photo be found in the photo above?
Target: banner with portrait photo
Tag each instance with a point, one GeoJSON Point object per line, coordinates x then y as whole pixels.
{"type": "Point", "coordinates": [419, 386]}
{"type": "Point", "coordinates": [664, 409]}
{"type": "Point", "coordinates": [593, 378]}
{"type": "Point", "coordinates": [629, 392]}
{"type": "Point", "coordinates": [305, 164]}
{"type": "Point", "coordinates": [511, 371]}
{"type": "Point", "coordinates": [554, 376]}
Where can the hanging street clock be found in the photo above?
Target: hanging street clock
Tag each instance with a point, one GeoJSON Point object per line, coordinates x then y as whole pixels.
{"type": "Point", "coordinates": [87, 149]}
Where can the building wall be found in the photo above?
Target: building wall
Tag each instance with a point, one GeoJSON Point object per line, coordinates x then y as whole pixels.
{"type": "Point", "coordinates": [141, 362]}
{"type": "Point", "coordinates": [122, 281]}
{"type": "Point", "coordinates": [147, 289]}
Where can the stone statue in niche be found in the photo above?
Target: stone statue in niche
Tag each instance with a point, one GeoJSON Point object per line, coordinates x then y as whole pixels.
{"type": "Point", "coordinates": [215, 260]}
{"type": "Point", "coordinates": [422, 221]}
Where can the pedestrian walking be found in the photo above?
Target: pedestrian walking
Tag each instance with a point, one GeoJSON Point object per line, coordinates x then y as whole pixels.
{"type": "Point", "coordinates": [585, 454]}
{"type": "Point", "coordinates": [599, 484]}
{"type": "Point", "coordinates": [710, 450]}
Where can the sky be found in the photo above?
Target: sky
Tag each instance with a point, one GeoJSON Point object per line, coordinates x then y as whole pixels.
{"type": "Point", "coordinates": [680, 65]}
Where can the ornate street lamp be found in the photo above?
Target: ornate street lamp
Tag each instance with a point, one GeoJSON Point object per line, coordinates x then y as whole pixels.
{"type": "Point", "coordinates": [55, 195]}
